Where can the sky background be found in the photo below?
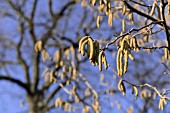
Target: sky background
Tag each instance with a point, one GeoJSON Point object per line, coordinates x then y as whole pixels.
{"type": "Point", "coordinates": [11, 96]}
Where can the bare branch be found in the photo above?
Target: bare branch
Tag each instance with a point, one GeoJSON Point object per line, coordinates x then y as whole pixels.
{"type": "Point", "coordinates": [139, 12]}
{"type": "Point", "coordinates": [31, 21]}
{"type": "Point", "coordinates": [164, 23]}
{"type": "Point", "coordinates": [16, 81]}
{"type": "Point", "coordinates": [20, 58]}
{"type": "Point", "coordinates": [129, 32]}
{"type": "Point", "coordinates": [51, 96]}
{"type": "Point", "coordinates": [18, 10]}
{"type": "Point", "coordinates": [150, 86]}
{"type": "Point", "coordinates": [50, 7]}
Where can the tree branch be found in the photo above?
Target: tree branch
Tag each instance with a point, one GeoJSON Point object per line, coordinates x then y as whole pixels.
{"type": "Point", "coordinates": [16, 81]}
{"type": "Point", "coordinates": [129, 32]}
{"type": "Point", "coordinates": [150, 86]}
{"type": "Point", "coordinates": [31, 21]}
{"type": "Point", "coordinates": [66, 7]}
{"type": "Point", "coordinates": [20, 58]}
{"type": "Point", "coordinates": [36, 70]}
{"type": "Point", "coordinates": [165, 25]}
{"type": "Point", "coordinates": [55, 91]}
{"type": "Point", "coordinates": [139, 12]}
{"type": "Point", "coordinates": [19, 11]}
{"type": "Point", "coordinates": [50, 8]}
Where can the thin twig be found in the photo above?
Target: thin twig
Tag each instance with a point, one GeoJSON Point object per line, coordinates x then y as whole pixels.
{"type": "Point", "coordinates": [129, 32]}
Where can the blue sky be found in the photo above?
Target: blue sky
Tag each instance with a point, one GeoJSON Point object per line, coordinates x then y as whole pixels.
{"type": "Point", "coordinates": [12, 96]}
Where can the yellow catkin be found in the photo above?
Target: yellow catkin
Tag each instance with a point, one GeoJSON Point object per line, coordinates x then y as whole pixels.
{"type": "Point", "coordinates": [166, 53]}
{"type": "Point", "coordinates": [124, 9]}
{"type": "Point", "coordinates": [136, 92]}
{"type": "Point", "coordinates": [110, 18]}
{"type": "Point", "coordinates": [119, 62]}
{"type": "Point", "coordinates": [74, 73]}
{"type": "Point", "coordinates": [153, 9]}
{"type": "Point", "coordinates": [143, 94]}
{"type": "Point", "coordinates": [58, 102]}
{"type": "Point", "coordinates": [100, 60]}
{"type": "Point", "coordinates": [81, 41]}
{"type": "Point", "coordinates": [83, 3]}
{"type": "Point", "coordinates": [127, 37]}
{"type": "Point", "coordinates": [161, 104]}
{"type": "Point", "coordinates": [121, 87]}
{"type": "Point", "coordinates": [104, 61]}
{"type": "Point", "coordinates": [66, 106]}
{"type": "Point", "coordinates": [38, 46]}
{"type": "Point", "coordinates": [61, 63]}
{"type": "Point", "coordinates": [87, 92]}
{"type": "Point", "coordinates": [91, 55]}
{"type": "Point", "coordinates": [86, 109]}
{"type": "Point", "coordinates": [83, 46]}
{"type": "Point", "coordinates": [130, 56]}
{"type": "Point", "coordinates": [93, 63]}
{"type": "Point", "coordinates": [131, 17]}
{"type": "Point", "coordinates": [131, 43]}
{"type": "Point", "coordinates": [135, 44]}
{"type": "Point", "coordinates": [45, 55]}
{"type": "Point", "coordinates": [98, 21]}
{"type": "Point", "coordinates": [164, 101]}
{"type": "Point", "coordinates": [70, 69]}
{"type": "Point", "coordinates": [77, 100]}
{"type": "Point", "coordinates": [57, 56]}
{"type": "Point", "coordinates": [108, 7]}
{"type": "Point", "coordinates": [93, 2]}
{"type": "Point", "coordinates": [51, 76]}
{"type": "Point", "coordinates": [123, 25]}
{"type": "Point", "coordinates": [125, 61]}
{"type": "Point", "coordinates": [122, 44]}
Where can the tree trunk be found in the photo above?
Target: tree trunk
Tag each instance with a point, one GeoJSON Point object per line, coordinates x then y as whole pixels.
{"type": "Point", "coordinates": [35, 103]}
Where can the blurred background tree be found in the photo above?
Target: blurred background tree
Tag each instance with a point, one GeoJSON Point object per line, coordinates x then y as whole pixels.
{"type": "Point", "coordinates": [42, 71]}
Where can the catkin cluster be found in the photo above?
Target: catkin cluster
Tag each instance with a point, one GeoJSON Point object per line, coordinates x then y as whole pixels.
{"type": "Point", "coordinates": [129, 14]}
{"type": "Point", "coordinates": [102, 59]}
{"type": "Point", "coordinates": [39, 48]}
{"type": "Point", "coordinates": [135, 90]}
{"type": "Point", "coordinates": [162, 102]}
{"type": "Point", "coordinates": [62, 104]}
{"type": "Point", "coordinates": [95, 55]}
{"type": "Point", "coordinates": [104, 6]}
{"type": "Point", "coordinates": [122, 88]}
{"type": "Point", "coordinates": [155, 7]}
{"type": "Point", "coordinates": [124, 53]}
{"type": "Point", "coordinates": [133, 43]}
